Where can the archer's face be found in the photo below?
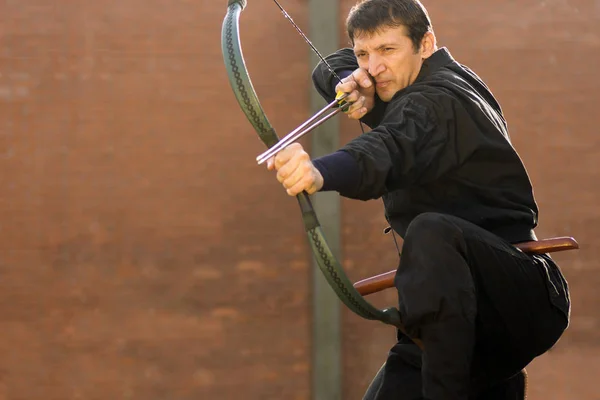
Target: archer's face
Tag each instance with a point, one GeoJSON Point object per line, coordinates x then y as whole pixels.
{"type": "Point", "coordinates": [390, 58]}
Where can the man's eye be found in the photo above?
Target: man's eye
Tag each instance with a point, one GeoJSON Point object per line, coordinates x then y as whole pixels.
{"type": "Point", "coordinates": [388, 49]}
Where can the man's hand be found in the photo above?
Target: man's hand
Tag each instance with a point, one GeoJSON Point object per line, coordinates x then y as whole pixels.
{"type": "Point", "coordinates": [361, 91]}
{"type": "Point", "coordinates": [295, 171]}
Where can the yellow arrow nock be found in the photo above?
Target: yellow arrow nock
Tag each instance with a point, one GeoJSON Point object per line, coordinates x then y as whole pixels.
{"type": "Point", "coordinates": [341, 100]}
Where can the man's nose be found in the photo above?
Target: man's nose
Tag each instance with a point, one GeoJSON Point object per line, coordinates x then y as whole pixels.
{"type": "Point", "coordinates": [376, 66]}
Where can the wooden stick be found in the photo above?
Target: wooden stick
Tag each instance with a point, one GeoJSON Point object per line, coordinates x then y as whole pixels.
{"type": "Point", "coordinates": [383, 281]}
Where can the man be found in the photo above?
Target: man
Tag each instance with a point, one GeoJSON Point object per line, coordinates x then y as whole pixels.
{"type": "Point", "coordinates": [455, 189]}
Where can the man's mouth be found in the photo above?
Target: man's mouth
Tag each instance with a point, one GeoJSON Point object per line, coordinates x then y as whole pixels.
{"type": "Point", "coordinates": [382, 84]}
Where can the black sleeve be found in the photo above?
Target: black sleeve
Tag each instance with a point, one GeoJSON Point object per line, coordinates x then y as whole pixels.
{"type": "Point", "coordinates": [343, 62]}
{"type": "Point", "coordinates": [417, 142]}
{"type": "Point", "coordinates": [340, 173]}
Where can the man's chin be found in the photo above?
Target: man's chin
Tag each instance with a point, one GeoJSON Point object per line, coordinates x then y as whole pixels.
{"type": "Point", "coordinates": [385, 95]}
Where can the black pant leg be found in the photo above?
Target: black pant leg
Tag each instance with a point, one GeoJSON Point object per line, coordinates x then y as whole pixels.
{"type": "Point", "coordinates": [519, 316]}
{"type": "Point", "coordinates": [463, 290]}
{"type": "Point", "coordinates": [400, 376]}
{"type": "Point", "coordinates": [511, 389]}
{"type": "Point", "coordinates": [437, 303]}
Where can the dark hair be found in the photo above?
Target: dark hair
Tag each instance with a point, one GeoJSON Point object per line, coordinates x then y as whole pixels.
{"type": "Point", "coordinates": [368, 16]}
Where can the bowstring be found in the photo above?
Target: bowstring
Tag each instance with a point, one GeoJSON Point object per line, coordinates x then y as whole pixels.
{"type": "Point", "coordinates": [312, 46]}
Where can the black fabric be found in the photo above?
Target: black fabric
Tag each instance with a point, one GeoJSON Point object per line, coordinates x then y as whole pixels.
{"type": "Point", "coordinates": [399, 379]}
{"type": "Point", "coordinates": [455, 189]}
{"type": "Point", "coordinates": [440, 145]}
{"type": "Point", "coordinates": [482, 308]}
{"type": "Point", "coordinates": [339, 171]}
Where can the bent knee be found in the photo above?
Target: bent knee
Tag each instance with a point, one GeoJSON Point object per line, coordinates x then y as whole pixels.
{"type": "Point", "coordinates": [432, 227]}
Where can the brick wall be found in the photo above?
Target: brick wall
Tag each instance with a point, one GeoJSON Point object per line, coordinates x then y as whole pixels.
{"type": "Point", "coordinates": [144, 255]}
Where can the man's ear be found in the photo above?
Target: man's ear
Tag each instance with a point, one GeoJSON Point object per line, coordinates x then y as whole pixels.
{"type": "Point", "coordinates": [428, 45]}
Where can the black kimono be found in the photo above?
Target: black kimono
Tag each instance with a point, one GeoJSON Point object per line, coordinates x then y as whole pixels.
{"type": "Point", "coordinates": [455, 189]}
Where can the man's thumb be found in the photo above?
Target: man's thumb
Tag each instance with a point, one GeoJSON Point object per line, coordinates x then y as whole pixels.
{"type": "Point", "coordinates": [270, 162]}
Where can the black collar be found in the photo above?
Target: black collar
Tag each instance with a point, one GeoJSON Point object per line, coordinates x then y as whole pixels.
{"type": "Point", "coordinates": [440, 58]}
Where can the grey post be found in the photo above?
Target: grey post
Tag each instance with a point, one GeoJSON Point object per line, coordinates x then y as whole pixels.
{"type": "Point", "coordinates": [326, 329]}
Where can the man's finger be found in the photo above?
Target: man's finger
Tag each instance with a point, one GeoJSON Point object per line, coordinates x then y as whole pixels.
{"type": "Point", "coordinates": [302, 185]}
{"type": "Point", "coordinates": [346, 87]}
{"type": "Point", "coordinates": [286, 154]}
{"type": "Point", "coordinates": [301, 172]}
{"type": "Point", "coordinates": [357, 110]}
{"type": "Point", "coordinates": [357, 105]}
{"type": "Point", "coordinates": [294, 167]}
{"type": "Point", "coordinates": [349, 100]}
{"type": "Point", "coordinates": [358, 114]}
{"type": "Point", "coordinates": [285, 171]}
{"type": "Point", "coordinates": [361, 76]}
{"type": "Point", "coordinates": [293, 179]}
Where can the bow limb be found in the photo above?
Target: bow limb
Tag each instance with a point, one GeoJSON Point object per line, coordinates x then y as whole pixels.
{"type": "Point", "coordinates": [248, 100]}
